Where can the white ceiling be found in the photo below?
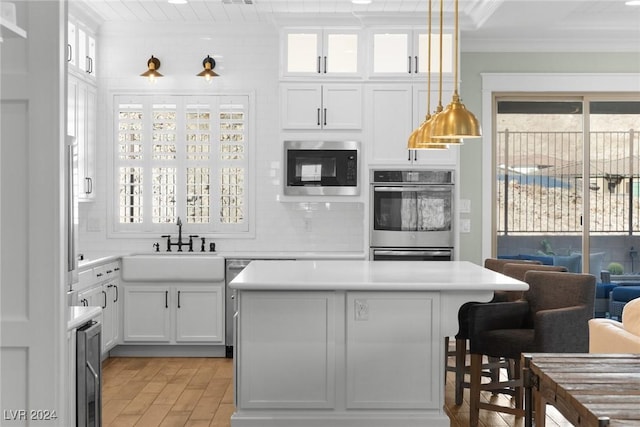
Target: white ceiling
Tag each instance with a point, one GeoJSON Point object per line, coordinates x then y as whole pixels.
{"type": "Point", "coordinates": [582, 25]}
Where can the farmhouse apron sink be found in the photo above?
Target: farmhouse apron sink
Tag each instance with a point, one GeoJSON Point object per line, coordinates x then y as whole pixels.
{"type": "Point", "coordinates": [173, 267]}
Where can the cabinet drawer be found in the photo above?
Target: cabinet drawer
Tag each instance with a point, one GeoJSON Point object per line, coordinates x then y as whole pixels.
{"type": "Point", "coordinates": [111, 270]}
{"type": "Point", "coordinates": [86, 279]}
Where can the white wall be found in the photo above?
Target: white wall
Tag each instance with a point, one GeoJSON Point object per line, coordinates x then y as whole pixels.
{"type": "Point", "coordinates": [247, 60]}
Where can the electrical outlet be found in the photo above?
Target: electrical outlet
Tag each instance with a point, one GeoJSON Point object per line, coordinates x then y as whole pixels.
{"type": "Point", "coordinates": [361, 308]}
{"type": "Point", "coordinates": [465, 226]}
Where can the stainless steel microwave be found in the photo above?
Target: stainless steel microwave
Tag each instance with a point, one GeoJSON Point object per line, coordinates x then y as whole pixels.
{"type": "Point", "coordinates": [321, 168]}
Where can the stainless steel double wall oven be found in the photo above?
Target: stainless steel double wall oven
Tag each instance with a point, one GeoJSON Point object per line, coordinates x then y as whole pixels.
{"type": "Point", "coordinates": [411, 215]}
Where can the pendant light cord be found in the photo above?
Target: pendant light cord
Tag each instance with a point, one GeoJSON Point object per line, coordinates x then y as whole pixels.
{"type": "Point", "coordinates": [440, 83]}
{"type": "Point", "coordinates": [429, 67]}
{"type": "Point", "coordinates": [455, 77]}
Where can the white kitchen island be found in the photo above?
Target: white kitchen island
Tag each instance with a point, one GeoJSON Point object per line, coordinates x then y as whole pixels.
{"type": "Point", "coordinates": [349, 343]}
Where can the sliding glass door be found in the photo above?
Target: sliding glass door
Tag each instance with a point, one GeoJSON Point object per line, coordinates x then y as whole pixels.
{"type": "Point", "coordinates": [566, 170]}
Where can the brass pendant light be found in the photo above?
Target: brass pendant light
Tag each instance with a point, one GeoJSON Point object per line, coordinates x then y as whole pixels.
{"type": "Point", "coordinates": [456, 121]}
{"type": "Point", "coordinates": [420, 138]}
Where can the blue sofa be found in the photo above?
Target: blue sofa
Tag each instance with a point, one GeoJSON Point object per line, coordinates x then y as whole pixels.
{"type": "Point", "coordinates": [573, 262]}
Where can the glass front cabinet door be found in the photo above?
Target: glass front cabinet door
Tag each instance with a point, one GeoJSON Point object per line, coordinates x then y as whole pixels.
{"type": "Point", "coordinates": [405, 53]}
{"type": "Point", "coordinates": [321, 52]}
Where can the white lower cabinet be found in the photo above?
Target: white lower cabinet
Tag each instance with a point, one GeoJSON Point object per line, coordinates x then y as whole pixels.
{"type": "Point", "coordinates": [104, 292]}
{"type": "Point", "coordinates": [340, 351]}
{"type": "Point", "coordinates": [111, 315]}
{"type": "Point", "coordinates": [173, 314]}
{"type": "Point", "coordinates": [288, 350]}
{"type": "Point", "coordinates": [199, 314]}
{"type": "Point", "coordinates": [146, 314]}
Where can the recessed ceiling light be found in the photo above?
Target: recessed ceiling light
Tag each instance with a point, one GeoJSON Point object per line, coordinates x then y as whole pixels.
{"type": "Point", "coordinates": [361, 1]}
{"type": "Point", "coordinates": [178, 1]}
{"type": "Point", "coordinates": [633, 3]}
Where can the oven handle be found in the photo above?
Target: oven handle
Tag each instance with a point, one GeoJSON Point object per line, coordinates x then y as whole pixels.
{"type": "Point", "coordinates": [414, 253]}
{"type": "Point", "coordinates": [404, 188]}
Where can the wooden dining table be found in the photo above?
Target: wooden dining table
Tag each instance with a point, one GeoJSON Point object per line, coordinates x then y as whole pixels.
{"type": "Point", "coordinates": [592, 390]}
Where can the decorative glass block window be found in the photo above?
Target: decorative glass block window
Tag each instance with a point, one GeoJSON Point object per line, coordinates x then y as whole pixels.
{"type": "Point", "coordinates": [130, 195]}
{"type": "Point", "coordinates": [181, 156]}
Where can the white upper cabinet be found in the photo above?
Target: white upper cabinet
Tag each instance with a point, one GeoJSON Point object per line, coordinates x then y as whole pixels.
{"type": "Point", "coordinates": [315, 106]}
{"type": "Point", "coordinates": [82, 124]}
{"type": "Point", "coordinates": [396, 110]}
{"type": "Point", "coordinates": [405, 53]}
{"type": "Point", "coordinates": [81, 49]}
{"type": "Point", "coordinates": [321, 52]}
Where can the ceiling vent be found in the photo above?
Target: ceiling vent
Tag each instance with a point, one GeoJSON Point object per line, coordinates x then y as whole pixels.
{"type": "Point", "coordinates": [237, 1]}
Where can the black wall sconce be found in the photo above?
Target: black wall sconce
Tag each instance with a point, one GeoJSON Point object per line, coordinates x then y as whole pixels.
{"type": "Point", "coordinates": [209, 64]}
{"type": "Point", "coordinates": [152, 73]}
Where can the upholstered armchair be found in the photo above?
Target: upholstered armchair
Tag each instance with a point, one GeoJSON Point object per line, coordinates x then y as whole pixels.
{"type": "Point", "coordinates": [552, 316]}
{"type": "Point", "coordinates": [610, 336]}
{"type": "Point", "coordinates": [460, 367]}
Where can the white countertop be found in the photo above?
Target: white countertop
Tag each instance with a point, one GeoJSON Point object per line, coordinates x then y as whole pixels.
{"type": "Point", "coordinates": [79, 315]}
{"type": "Point", "coordinates": [373, 276]}
{"type": "Point", "coordinates": [96, 260]}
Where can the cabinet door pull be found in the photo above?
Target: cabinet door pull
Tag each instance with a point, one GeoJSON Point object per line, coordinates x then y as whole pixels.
{"type": "Point", "coordinates": [178, 299]}
{"type": "Point", "coordinates": [416, 66]}
{"type": "Point", "coordinates": [90, 65]}
{"type": "Point", "coordinates": [325, 65]}
{"type": "Point", "coordinates": [88, 185]}
{"type": "Point", "coordinates": [69, 52]}
{"type": "Point", "coordinates": [105, 299]}
{"type": "Point", "coordinates": [415, 155]}
{"type": "Point", "coordinates": [408, 155]}
{"type": "Point", "coordinates": [409, 64]}
{"type": "Point", "coordinates": [116, 286]}
{"type": "Point", "coordinates": [166, 299]}
{"type": "Point", "coordinates": [319, 65]}
{"type": "Point", "coordinates": [318, 116]}
{"type": "Point", "coordinates": [325, 116]}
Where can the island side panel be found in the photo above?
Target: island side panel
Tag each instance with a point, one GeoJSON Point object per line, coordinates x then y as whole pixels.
{"type": "Point", "coordinates": [287, 350]}
{"type": "Point", "coordinates": [393, 350]}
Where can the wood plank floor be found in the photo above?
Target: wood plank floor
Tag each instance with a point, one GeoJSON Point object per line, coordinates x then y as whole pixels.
{"type": "Point", "coordinates": [198, 392]}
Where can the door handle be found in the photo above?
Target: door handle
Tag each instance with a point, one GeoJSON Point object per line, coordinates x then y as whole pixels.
{"type": "Point", "coordinates": [416, 64]}
{"type": "Point", "coordinates": [318, 116]}
{"type": "Point", "coordinates": [178, 299]}
{"type": "Point", "coordinates": [325, 116]}
{"type": "Point", "coordinates": [166, 299]}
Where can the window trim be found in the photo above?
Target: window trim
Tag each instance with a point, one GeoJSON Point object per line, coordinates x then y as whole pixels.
{"type": "Point", "coordinates": [111, 177]}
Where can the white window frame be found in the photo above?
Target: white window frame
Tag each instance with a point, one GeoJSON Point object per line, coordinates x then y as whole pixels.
{"type": "Point", "coordinates": [215, 228]}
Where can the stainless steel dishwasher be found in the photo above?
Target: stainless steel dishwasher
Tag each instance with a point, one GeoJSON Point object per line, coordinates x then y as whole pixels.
{"type": "Point", "coordinates": [232, 269]}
